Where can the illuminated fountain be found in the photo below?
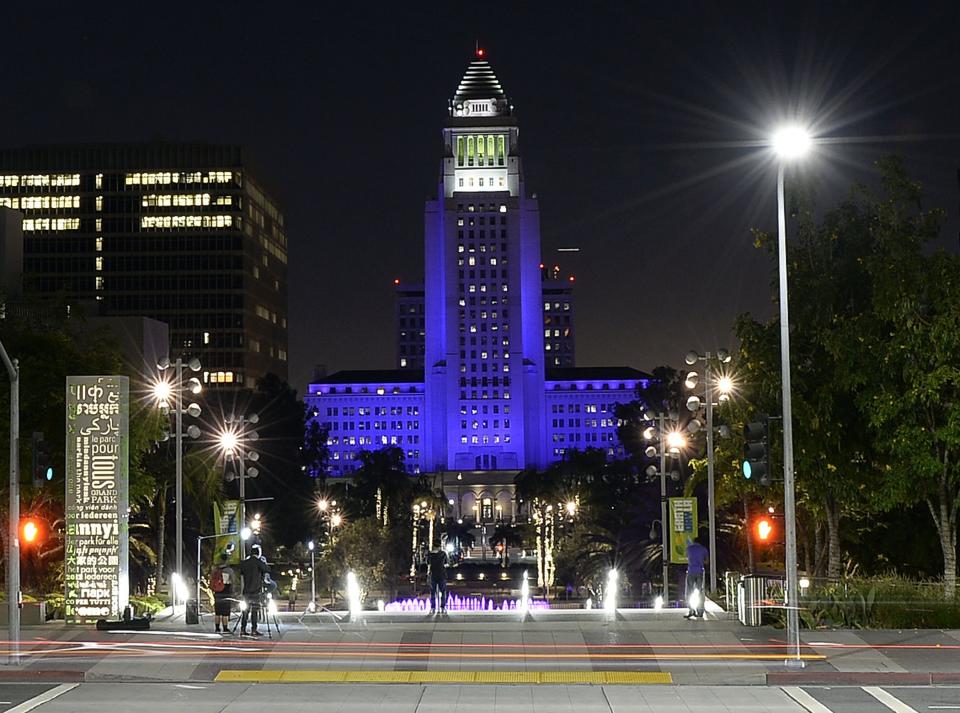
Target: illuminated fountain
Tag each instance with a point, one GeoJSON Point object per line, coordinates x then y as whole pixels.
{"type": "Point", "coordinates": [466, 604]}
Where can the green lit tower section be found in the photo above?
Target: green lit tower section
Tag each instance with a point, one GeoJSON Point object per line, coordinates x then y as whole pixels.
{"type": "Point", "coordinates": [484, 371]}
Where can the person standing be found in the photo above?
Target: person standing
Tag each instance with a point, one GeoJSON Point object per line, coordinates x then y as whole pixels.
{"type": "Point", "coordinates": [222, 581]}
{"type": "Point", "coordinates": [438, 581]}
{"type": "Point", "coordinates": [697, 557]}
{"type": "Point", "coordinates": [252, 570]}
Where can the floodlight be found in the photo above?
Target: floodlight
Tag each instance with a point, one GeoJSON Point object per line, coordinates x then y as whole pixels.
{"type": "Point", "coordinates": [791, 142]}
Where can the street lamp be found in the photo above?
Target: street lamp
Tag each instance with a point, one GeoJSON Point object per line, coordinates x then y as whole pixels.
{"type": "Point", "coordinates": [313, 575]}
{"type": "Point", "coordinates": [233, 440]}
{"type": "Point", "coordinates": [659, 433]}
{"type": "Point", "coordinates": [789, 143]}
{"type": "Point", "coordinates": [714, 386]}
{"type": "Point", "coordinates": [168, 392]}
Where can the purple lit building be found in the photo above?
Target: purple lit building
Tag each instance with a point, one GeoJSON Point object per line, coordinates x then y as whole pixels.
{"type": "Point", "coordinates": [485, 402]}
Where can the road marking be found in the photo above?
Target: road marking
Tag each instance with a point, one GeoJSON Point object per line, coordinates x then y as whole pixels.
{"type": "Point", "coordinates": [44, 697]}
{"type": "Point", "coordinates": [423, 677]}
{"type": "Point", "coordinates": [805, 699]}
{"type": "Point", "coordinates": [889, 700]}
{"type": "Point", "coordinates": [944, 707]}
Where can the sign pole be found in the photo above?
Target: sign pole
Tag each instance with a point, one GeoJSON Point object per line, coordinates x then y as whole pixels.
{"type": "Point", "coordinates": [13, 533]}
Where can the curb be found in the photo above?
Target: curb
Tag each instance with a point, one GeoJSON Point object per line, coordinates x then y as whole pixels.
{"type": "Point", "coordinates": [31, 676]}
{"type": "Point", "coordinates": [861, 678]}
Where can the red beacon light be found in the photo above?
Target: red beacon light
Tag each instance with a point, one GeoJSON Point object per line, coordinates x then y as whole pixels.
{"type": "Point", "coordinates": [480, 52]}
{"type": "Point", "coordinates": [396, 281]}
{"type": "Point", "coordinates": [572, 278]}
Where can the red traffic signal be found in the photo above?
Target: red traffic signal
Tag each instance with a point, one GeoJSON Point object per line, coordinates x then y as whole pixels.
{"type": "Point", "coordinates": [30, 531]}
{"type": "Point", "coordinates": [764, 530]}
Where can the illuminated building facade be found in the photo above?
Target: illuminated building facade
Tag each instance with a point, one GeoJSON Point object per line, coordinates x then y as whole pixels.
{"type": "Point", "coordinates": [181, 233]}
{"type": "Point", "coordinates": [558, 341]}
{"type": "Point", "coordinates": [487, 399]}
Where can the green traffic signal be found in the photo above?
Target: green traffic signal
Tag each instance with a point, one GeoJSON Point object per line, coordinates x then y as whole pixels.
{"type": "Point", "coordinates": [756, 454]}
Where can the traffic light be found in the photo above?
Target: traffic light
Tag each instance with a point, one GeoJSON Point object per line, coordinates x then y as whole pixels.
{"type": "Point", "coordinates": [756, 452]}
{"type": "Point", "coordinates": [31, 531]}
{"type": "Point", "coordinates": [42, 461]}
{"type": "Point", "coordinates": [764, 530]}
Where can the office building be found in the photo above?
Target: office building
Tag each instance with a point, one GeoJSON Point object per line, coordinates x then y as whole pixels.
{"type": "Point", "coordinates": [186, 234]}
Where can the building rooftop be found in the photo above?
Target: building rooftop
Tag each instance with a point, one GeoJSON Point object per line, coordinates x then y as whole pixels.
{"type": "Point", "coordinates": [373, 376]}
{"type": "Point", "coordinates": [595, 373]}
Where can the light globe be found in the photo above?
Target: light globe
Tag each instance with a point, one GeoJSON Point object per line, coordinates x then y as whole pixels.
{"type": "Point", "coordinates": [791, 142]}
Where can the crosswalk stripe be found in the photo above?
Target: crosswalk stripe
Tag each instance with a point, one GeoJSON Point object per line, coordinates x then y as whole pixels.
{"type": "Point", "coordinates": [889, 700]}
{"type": "Point", "coordinates": [805, 699]}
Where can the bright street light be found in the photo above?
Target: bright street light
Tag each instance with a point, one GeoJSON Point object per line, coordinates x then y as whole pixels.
{"type": "Point", "coordinates": [336, 520]}
{"type": "Point", "coordinates": [676, 440]}
{"type": "Point", "coordinates": [791, 142]}
{"type": "Point", "coordinates": [571, 507]}
{"type": "Point", "coordinates": [162, 391]}
{"type": "Point", "coordinates": [245, 533]}
{"type": "Point", "coordinates": [229, 440]}
{"type": "Point", "coordinates": [322, 505]}
{"type": "Point", "coordinates": [725, 385]}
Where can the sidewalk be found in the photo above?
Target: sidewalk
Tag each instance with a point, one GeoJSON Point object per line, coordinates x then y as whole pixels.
{"type": "Point", "coordinates": [717, 651]}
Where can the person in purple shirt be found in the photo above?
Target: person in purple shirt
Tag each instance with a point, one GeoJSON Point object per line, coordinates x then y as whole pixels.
{"type": "Point", "coordinates": [697, 557]}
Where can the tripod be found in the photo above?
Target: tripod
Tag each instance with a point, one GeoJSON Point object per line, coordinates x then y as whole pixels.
{"type": "Point", "coordinates": [256, 604]}
{"type": "Point", "coordinates": [314, 609]}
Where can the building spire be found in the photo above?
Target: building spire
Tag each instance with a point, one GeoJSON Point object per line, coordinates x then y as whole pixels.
{"type": "Point", "coordinates": [479, 92]}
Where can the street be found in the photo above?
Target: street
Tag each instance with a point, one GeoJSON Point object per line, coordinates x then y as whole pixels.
{"type": "Point", "coordinates": [234, 698]}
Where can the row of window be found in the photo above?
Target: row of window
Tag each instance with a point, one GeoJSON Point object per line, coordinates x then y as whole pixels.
{"type": "Point", "coordinates": [371, 440]}
{"type": "Point", "coordinates": [481, 150]}
{"type": "Point", "coordinates": [163, 200]}
{"type": "Point", "coordinates": [40, 202]}
{"type": "Point", "coordinates": [492, 207]}
{"type": "Point", "coordinates": [161, 222]}
{"type": "Point", "coordinates": [54, 179]}
{"type": "Point", "coordinates": [588, 423]}
{"type": "Point", "coordinates": [163, 178]}
{"type": "Point", "coordinates": [485, 440]}
{"type": "Point", "coordinates": [478, 182]}
{"type": "Point", "coordinates": [372, 425]}
{"type": "Point", "coordinates": [48, 224]}
{"type": "Point", "coordinates": [577, 437]}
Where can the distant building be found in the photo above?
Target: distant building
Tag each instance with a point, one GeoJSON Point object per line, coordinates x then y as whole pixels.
{"type": "Point", "coordinates": [11, 252]}
{"type": "Point", "coordinates": [411, 326]}
{"type": "Point", "coordinates": [181, 233]}
{"type": "Point", "coordinates": [559, 348]}
{"type": "Point", "coordinates": [489, 399]}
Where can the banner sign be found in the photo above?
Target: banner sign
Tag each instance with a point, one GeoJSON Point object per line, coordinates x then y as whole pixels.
{"type": "Point", "coordinates": [683, 527]}
{"type": "Point", "coordinates": [225, 525]}
{"type": "Point", "coordinates": [96, 545]}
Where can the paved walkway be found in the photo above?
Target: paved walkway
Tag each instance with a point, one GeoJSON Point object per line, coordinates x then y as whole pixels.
{"type": "Point", "coordinates": [718, 651]}
{"type": "Point", "coordinates": [244, 698]}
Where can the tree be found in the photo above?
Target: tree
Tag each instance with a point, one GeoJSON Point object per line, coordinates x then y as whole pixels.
{"type": "Point", "coordinates": [383, 488]}
{"type": "Point", "coordinates": [901, 356]}
{"type": "Point", "coordinates": [374, 553]}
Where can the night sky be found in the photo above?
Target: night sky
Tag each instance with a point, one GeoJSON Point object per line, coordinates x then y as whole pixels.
{"type": "Point", "coordinates": [639, 130]}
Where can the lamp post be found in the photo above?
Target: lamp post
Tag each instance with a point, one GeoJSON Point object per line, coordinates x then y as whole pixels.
{"type": "Point", "coordinates": [13, 524]}
{"type": "Point", "coordinates": [165, 391]}
{"type": "Point", "coordinates": [233, 443]}
{"type": "Point", "coordinates": [710, 385]}
{"type": "Point", "coordinates": [667, 441]}
{"type": "Point", "coordinates": [789, 143]}
{"type": "Point", "coordinates": [313, 574]}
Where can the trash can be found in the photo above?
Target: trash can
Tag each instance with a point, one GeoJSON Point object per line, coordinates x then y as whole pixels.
{"type": "Point", "coordinates": [750, 593]}
{"type": "Point", "coordinates": [192, 615]}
